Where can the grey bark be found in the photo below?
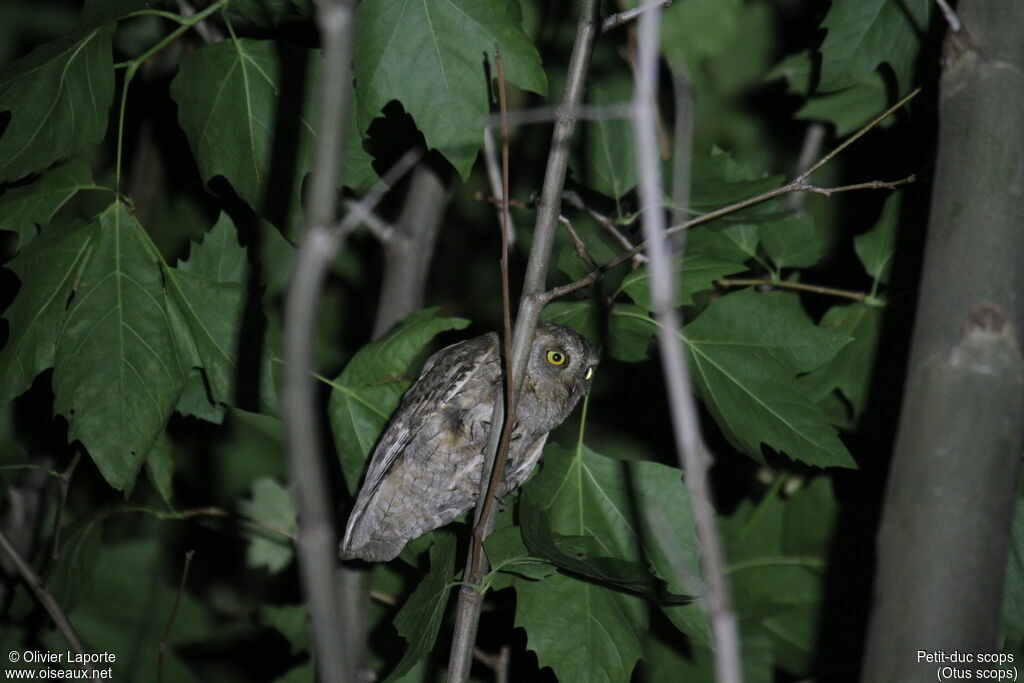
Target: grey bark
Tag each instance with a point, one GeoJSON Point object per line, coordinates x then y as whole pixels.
{"type": "Point", "coordinates": [407, 255]}
{"type": "Point", "coordinates": [944, 536]}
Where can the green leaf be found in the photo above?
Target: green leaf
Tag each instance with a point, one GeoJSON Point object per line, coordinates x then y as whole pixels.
{"type": "Point", "coordinates": [582, 316]}
{"type": "Point", "coordinates": [291, 621]}
{"type": "Point", "coordinates": [508, 555]}
{"type": "Point", "coordinates": [127, 613]}
{"type": "Point", "coordinates": [369, 388]}
{"type": "Point", "coordinates": [160, 468]}
{"type": "Point", "coordinates": [249, 118]}
{"type": "Point", "coordinates": [696, 29]}
{"type": "Point", "coordinates": [421, 53]}
{"type": "Point", "coordinates": [850, 370]}
{"type": "Point", "coordinates": [582, 554]}
{"type": "Point", "coordinates": [80, 549]}
{"type": "Point", "coordinates": [876, 247]}
{"type": "Point", "coordinates": [695, 272]}
{"type": "Point", "coordinates": [25, 209]}
{"type": "Point", "coordinates": [209, 292]}
{"type": "Point", "coordinates": [48, 268]}
{"type": "Point", "coordinates": [777, 552]}
{"type": "Point", "coordinates": [1013, 599]}
{"type": "Point", "coordinates": [629, 334]}
{"type": "Point", "coordinates": [594, 634]}
{"type": "Point", "coordinates": [271, 504]}
{"type": "Point", "coordinates": [744, 351]}
{"type": "Point", "coordinates": [636, 511]}
{"type": "Point", "coordinates": [851, 108]}
{"type": "Point", "coordinates": [793, 242]}
{"type": "Point", "coordinates": [736, 243]}
{"type": "Point", "coordinates": [59, 96]}
{"type": "Point", "coordinates": [719, 181]}
{"type": "Point", "coordinates": [419, 620]}
{"type": "Point", "coordinates": [865, 33]}
{"type": "Point", "coordinates": [116, 375]}
{"type": "Point", "coordinates": [610, 159]}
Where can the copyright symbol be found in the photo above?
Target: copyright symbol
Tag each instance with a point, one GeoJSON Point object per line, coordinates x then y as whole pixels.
{"type": "Point", "coordinates": [14, 656]}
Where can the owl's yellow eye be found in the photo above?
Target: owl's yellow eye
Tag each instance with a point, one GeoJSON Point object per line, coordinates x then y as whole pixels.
{"type": "Point", "coordinates": [589, 373]}
{"type": "Point", "coordinates": [557, 357]}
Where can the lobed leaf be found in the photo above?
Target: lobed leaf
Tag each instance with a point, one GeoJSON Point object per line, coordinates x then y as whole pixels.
{"type": "Point", "coordinates": [777, 552]}
{"type": "Point", "coordinates": [58, 96]}
{"type": "Point", "coordinates": [209, 293]}
{"type": "Point", "coordinates": [794, 242]}
{"type": "Point", "coordinates": [609, 157]}
{"type": "Point", "coordinates": [695, 272]}
{"type": "Point", "coordinates": [877, 246]}
{"type": "Point", "coordinates": [865, 33]}
{"type": "Point", "coordinates": [246, 107]}
{"type": "Point", "coordinates": [421, 52]}
{"type": "Point", "coordinates": [850, 370]}
{"type": "Point", "coordinates": [271, 504]}
{"type": "Point", "coordinates": [745, 350]}
{"type": "Point", "coordinates": [595, 633]}
{"type": "Point", "coordinates": [419, 620]}
{"type": "Point", "coordinates": [116, 372]}
{"type": "Point", "coordinates": [48, 269]}
{"type": "Point", "coordinates": [24, 209]}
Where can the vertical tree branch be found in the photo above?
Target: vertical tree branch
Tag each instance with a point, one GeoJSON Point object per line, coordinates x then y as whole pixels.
{"type": "Point", "coordinates": [408, 252]}
{"type": "Point", "coordinates": [467, 617]}
{"type": "Point", "coordinates": [692, 456]}
{"type": "Point", "coordinates": [316, 542]}
{"type": "Point", "coordinates": [945, 528]}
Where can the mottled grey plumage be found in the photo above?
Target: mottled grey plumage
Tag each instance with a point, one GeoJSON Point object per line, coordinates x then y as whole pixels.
{"type": "Point", "coordinates": [425, 471]}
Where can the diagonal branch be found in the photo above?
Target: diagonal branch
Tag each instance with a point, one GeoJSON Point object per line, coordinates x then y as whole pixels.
{"type": "Point", "coordinates": [798, 184]}
{"type": "Point", "coordinates": [45, 597]}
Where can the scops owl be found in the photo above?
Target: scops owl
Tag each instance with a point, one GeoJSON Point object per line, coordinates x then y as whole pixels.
{"type": "Point", "coordinates": [425, 471]}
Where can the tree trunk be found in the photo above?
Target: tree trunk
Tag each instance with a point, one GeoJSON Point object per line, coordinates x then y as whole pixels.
{"type": "Point", "coordinates": [944, 535]}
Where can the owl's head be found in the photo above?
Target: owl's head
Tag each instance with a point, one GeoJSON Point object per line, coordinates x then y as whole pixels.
{"type": "Point", "coordinates": [560, 369]}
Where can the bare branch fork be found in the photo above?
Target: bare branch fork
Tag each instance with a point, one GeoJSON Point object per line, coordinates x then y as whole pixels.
{"type": "Point", "coordinates": [798, 184]}
{"type": "Point", "coordinates": [530, 304]}
{"type": "Point", "coordinates": [693, 458]}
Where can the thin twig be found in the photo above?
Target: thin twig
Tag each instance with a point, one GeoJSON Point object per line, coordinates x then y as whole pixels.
{"type": "Point", "coordinates": [498, 470]}
{"type": "Point", "coordinates": [378, 227]}
{"type": "Point", "coordinates": [45, 598]}
{"type": "Point", "coordinates": [860, 133]}
{"type": "Point", "coordinates": [494, 177]}
{"type": "Point", "coordinates": [574, 200]}
{"type": "Point", "coordinates": [65, 482]}
{"type": "Point", "coordinates": [620, 18]}
{"type": "Point", "coordinates": [795, 186]}
{"type": "Point", "coordinates": [498, 663]}
{"type": "Point", "coordinates": [693, 458]}
{"type": "Point", "coordinates": [951, 18]}
{"type": "Point", "coordinates": [577, 243]}
{"type": "Point", "coordinates": [577, 112]}
{"type": "Point", "coordinates": [316, 544]}
{"type": "Point", "coordinates": [798, 286]}
{"type": "Point", "coordinates": [467, 615]}
{"type": "Point", "coordinates": [208, 32]}
{"type": "Point", "coordinates": [170, 619]}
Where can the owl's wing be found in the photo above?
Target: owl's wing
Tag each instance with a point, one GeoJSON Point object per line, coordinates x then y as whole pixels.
{"type": "Point", "coordinates": [443, 377]}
